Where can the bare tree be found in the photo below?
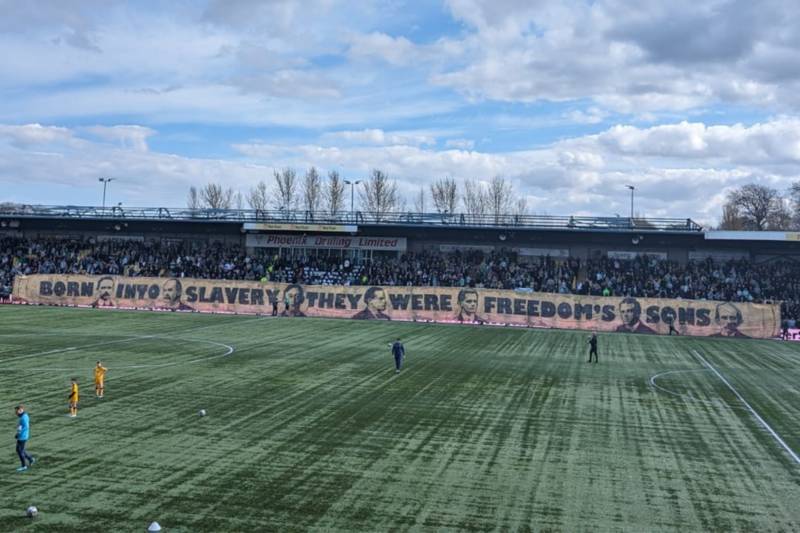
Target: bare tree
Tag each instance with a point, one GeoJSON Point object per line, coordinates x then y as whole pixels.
{"type": "Point", "coordinates": [731, 220]}
{"type": "Point", "coordinates": [419, 201]}
{"type": "Point", "coordinates": [759, 207]}
{"type": "Point", "coordinates": [285, 191]}
{"type": "Point", "coordinates": [474, 199]}
{"type": "Point", "coordinates": [520, 207]}
{"type": "Point", "coordinates": [445, 195]}
{"type": "Point", "coordinates": [794, 195]}
{"type": "Point", "coordinates": [401, 206]}
{"type": "Point", "coordinates": [499, 197]}
{"type": "Point", "coordinates": [379, 194]}
{"type": "Point", "coordinates": [312, 190]}
{"type": "Point", "coordinates": [781, 216]}
{"type": "Point", "coordinates": [215, 196]}
{"type": "Point", "coordinates": [238, 200]}
{"type": "Point", "coordinates": [258, 197]}
{"type": "Point", "coordinates": [193, 200]}
{"type": "Point", "coordinates": [334, 194]}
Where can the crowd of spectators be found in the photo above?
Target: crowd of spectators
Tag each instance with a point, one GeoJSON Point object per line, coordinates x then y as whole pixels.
{"type": "Point", "coordinates": [737, 280]}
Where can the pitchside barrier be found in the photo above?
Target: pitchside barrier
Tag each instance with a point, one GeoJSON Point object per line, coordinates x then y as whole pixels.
{"type": "Point", "coordinates": [433, 304]}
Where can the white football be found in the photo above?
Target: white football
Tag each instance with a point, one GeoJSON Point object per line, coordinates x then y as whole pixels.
{"type": "Point", "coordinates": [31, 511]}
{"type": "Point", "coordinates": [202, 412]}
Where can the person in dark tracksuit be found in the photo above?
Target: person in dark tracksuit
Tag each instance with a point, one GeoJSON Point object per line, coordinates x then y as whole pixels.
{"type": "Point", "coordinates": [593, 347]}
{"type": "Point", "coordinates": [671, 324]}
{"type": "Point", "coordinates": [399, 351]}
{"type": "Point", "coordinates": [23, 434]}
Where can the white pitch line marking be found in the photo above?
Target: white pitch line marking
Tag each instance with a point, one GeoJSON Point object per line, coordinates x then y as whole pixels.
{"type": "Point", "coordinates": [664, 389]}
{"type": "Point", "coordinates": [61, 350]}
{"type": "Point", "coordinates": [688, 396]}
{"type": "Point", "coordinates": [752, 411]}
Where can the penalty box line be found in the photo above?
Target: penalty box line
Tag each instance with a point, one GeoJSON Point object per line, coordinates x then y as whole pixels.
{"type": "Point", "coordinates": [749, 408]}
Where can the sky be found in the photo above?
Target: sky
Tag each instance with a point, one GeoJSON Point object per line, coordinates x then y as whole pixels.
{"type": "Point", "coordinates": [568, 101]}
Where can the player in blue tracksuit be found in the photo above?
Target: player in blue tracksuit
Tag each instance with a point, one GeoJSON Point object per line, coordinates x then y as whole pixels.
{"type": "Point", "coordinates": [23, 433]}
{"type": "Point", "coordinates": [399, 352]}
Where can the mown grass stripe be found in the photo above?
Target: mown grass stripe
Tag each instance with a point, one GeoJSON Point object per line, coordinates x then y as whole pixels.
{"type": "Point", "coordinates": [752, 411]}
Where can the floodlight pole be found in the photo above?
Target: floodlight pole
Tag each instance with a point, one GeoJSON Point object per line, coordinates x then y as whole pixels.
{"type": "Point", "coordinates": [105, 184]}
{"type": "Point", "coordinates": [632, 188]}
{"type": "Point", "coordinates": [352, 185]}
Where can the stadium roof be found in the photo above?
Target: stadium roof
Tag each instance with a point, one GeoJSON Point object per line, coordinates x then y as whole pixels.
{"type": "Point", "coordinates": [359, 218]}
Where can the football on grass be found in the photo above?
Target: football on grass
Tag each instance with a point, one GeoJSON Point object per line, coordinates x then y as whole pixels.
{"type": "Point", "coordinates": [202, 412]}
{"type": "Point", "coordinates": [31, 512]}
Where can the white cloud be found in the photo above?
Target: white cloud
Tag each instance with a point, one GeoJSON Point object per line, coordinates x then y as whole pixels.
{"type": "Point", "coordinates": [133, 137]}
{"type": "Point", "coordinates": [772, 143]}
{"type": "Point", "coordinates": [393, 50]}
{"type": "Point", "coordinates": [290, 84]}
{"type": "Point", "coordinates": [380, 137]}
{"type": "Point", "coordinates": [631, 57]}
{"type": "Point", "coordinates": [592, 115]}
{"type": "Point", "coordinates": [35, 134]}
{"type": "Point", "coordinates": [461, 144]}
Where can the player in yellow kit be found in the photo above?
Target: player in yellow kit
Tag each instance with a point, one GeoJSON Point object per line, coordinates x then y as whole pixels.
{"type": "Point", "coordinates": [99, 378]}
{"type": "Point", "coordinates": [73, 398]}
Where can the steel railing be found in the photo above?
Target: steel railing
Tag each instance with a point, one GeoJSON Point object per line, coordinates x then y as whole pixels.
{"type": "Point", "coordinates": [351, 218]}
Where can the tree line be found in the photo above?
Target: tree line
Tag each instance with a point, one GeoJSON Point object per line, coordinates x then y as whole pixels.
{"type": "Point", "coordinates": [754, 207]}
{"type": "Point", "coordinates": [377, 194]}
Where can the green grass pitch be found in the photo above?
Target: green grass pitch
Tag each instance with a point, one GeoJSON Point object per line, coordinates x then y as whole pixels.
{"type": "Point", "coordinates": [309, 428]}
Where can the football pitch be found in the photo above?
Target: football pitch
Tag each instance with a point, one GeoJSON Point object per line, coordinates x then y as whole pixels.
{"type": "Point", "coordinates": [309, 427]}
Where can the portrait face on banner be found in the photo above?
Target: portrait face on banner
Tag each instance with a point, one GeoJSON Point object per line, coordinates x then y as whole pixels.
{"type": "Point", "coordinates": [171, 291]}
{"type": "Point", "coordinates": [630, 311]}
{"type": "Point", "coordinates": [294, 296]}
{"type": "Point", "coordinates": [376, 305]}
{"type": "Point", "coordinates": [376, 300]}
{"type": "Point", "coordinates": [105, 291]}
{"type": "Point", "coordinates": [728, 318]}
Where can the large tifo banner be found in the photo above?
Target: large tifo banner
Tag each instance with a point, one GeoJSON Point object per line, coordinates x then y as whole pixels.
{"type": "Point", "coordinates": [435, 304]}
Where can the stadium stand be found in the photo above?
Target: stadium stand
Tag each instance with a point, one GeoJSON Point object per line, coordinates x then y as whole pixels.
{"type": "Point", "coordinates": [739, 280]}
